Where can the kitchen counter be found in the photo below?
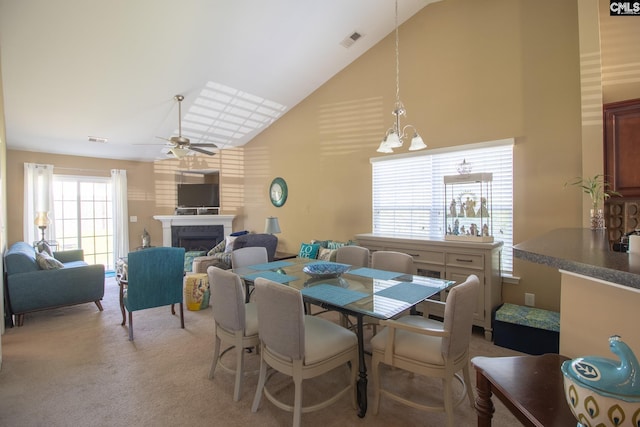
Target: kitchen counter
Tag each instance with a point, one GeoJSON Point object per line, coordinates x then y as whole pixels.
{"type": "Point", "coordinates": [599, 289]}
{"type": "Point", "coordinates": [582, 251]}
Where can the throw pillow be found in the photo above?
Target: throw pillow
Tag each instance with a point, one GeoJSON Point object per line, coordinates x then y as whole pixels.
{"type": "Point", "coordinates": [44, 247]}
{"type": "Point", "coordinates": [219, 248]}
{"type": "Point", "coordinates": [324, 254]}
{"type": "Point", "coordinates": [309, 250]}
{"type": "Point", "coordinates": [229, 243]}
{"type": "Point", "coordinates": [47, 262]}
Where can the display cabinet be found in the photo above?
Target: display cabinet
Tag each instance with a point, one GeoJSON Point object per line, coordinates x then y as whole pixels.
{"type": "Point", "coordinates": [468, 214]}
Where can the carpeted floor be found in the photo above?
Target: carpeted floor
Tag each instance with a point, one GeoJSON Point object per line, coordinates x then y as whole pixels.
{"type": "Point", "coordinates": [75, 366]}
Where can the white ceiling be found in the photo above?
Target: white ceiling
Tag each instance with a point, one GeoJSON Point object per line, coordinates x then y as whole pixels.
{"type": "Point", "coordinates": [78, 68]}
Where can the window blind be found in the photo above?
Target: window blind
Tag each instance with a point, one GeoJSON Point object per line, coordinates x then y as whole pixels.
{"type": "Point", "coordinates": [408, 191]}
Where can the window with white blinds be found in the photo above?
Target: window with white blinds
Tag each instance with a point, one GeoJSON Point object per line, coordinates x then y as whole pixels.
{"type": "Point", "coordinates": [408, 191]}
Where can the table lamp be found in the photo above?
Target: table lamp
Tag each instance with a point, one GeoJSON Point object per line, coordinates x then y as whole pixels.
{"type": "Point", "coordinates": [42, 221]}
{"type": "Point", "coordinates": [271, 225]}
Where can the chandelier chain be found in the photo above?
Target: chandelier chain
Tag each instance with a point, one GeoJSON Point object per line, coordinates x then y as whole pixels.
{"type": "Point", "coordinates": [397, 59]}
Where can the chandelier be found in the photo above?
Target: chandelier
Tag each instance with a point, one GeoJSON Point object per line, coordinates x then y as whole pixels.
{"type": "Point", "coordinates": [394, 136]}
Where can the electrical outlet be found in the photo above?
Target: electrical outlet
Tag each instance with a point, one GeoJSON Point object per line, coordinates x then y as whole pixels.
{"type": "Point", "coordinates": [530, 299]}
{"type": "Point", "coordinates": [133, 218]}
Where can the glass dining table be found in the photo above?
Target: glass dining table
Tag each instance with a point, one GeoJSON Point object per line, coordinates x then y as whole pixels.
{"type": "Point", "coordinates": [358, 292]}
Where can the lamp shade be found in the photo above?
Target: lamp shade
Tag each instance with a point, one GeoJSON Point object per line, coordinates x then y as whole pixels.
{"type": "Point", "coordinates": [271, 225]}
{"type": "Point", "coordinates": [42, 219]}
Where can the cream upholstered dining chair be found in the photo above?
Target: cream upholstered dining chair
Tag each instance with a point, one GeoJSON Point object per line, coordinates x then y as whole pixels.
{"type": "Point", "coordinates": [235, 322]}
{"type": "Point", "coordinates": [250, 255]}
{"type": "Point", "coordinates": [300, 346]}
{"type": "Point", "coordinates": [392, 261]}
{"type": "Point", "coordinates": [431, 348]}
{"type": "Point", "coordinates": [356, 256]}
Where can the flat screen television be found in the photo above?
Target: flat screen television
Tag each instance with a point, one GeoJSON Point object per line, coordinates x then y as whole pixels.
{"type": "Point", "coordinates": [198, 195]}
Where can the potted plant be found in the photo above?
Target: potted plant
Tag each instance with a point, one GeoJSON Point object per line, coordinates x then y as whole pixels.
{"type": "Point", "coordinates": [597, 188]}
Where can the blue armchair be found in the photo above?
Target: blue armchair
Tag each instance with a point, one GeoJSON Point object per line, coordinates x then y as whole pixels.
{"type": "Point", "coordinates": [154, 279]}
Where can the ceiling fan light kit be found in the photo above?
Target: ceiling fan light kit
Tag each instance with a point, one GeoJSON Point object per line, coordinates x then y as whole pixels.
{"type": "Point", "coordinates": [181, 145]}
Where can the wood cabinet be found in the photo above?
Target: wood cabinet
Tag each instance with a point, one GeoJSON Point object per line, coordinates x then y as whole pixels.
{"type": "Point", "coordinates": [453, 261]}
{"type": "Point", "coordinates": [622, 146]}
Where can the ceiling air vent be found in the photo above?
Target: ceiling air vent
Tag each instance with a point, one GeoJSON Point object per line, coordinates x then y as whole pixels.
{"type": "Point", "coordinates": [351, 39]}
{"type": "Point", "coordinates": [97, 139]}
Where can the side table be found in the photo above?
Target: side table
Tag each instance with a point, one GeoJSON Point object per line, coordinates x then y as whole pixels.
{"type": "Point", "coordinates": [531, 387]}
{"type": "Point", "coordinates": [279, 256]}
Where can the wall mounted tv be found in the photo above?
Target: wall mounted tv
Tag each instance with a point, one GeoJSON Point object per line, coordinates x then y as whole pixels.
{"type": "Point", "coordinates": [198, 195]}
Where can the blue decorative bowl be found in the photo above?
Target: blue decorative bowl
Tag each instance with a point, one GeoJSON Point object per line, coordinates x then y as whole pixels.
{"type": "Point", "coordinates": [325, 269]}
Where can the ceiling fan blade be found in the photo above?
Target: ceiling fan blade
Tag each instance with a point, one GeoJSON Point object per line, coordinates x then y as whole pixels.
{"type": "Point", "coordinates": [204, 144]}
{"type": "Point", "coordinates": [200, 150]}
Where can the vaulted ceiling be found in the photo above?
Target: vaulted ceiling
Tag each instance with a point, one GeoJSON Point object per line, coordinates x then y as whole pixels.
{"type": "Point", "coordinates": [77, 69]}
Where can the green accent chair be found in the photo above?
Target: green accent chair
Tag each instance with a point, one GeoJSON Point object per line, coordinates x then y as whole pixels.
{"type": "Point", "coordinates": [155, 278]}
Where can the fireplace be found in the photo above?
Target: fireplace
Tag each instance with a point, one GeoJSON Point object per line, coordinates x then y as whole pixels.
{"type": "Point", "coordinates": [193, 227]}
{"type": "Point", "coordinates": [196, 237]}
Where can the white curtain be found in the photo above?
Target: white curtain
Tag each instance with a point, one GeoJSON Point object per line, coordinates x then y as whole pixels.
{"type": "Point", "coordinates": [120, 214]}
{"type": "Point", "coordinates": [38, 197]}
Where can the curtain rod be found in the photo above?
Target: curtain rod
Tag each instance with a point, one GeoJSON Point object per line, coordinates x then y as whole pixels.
{"type": "Point", "coordinates": [83, 170]}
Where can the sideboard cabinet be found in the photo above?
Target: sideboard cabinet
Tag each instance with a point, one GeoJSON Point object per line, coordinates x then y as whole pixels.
{"type": "Point", "coordinates": [450, 260]}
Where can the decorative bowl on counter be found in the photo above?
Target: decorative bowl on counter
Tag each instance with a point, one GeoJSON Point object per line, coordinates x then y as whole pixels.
{"type": "Point", "coordinates": [320, 270]}
{"type": "Point", "coordinates": [604, 392]}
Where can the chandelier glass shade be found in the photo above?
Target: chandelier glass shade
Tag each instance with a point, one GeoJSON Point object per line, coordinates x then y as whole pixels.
{"type": "Point", "coordinates": [395, 135]}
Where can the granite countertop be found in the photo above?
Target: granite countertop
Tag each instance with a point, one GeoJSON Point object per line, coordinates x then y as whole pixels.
{"type": "Point", "coordinates": [582, 251]}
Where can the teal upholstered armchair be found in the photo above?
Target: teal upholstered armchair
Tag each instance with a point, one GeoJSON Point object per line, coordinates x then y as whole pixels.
{"type": "Point", "coordinates": [155, 279]}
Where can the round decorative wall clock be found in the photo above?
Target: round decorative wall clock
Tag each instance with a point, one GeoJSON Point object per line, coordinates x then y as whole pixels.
{"type": "Point", "coordinates": [278, 192]}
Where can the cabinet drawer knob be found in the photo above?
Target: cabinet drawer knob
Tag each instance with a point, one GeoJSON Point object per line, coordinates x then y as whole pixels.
{"type": "Point", "coordinates": [463, 260]}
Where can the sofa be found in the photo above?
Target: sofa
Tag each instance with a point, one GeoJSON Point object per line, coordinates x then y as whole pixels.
{"type": "Point", "coordinates": [220, 255]}
{"type": "Point", "coordinates": [37, 281]}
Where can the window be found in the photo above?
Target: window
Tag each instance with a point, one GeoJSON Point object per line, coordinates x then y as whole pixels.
{"type": "Point", "coordinates": [83, 216]}
{"type": "Point", "coordinates": [408, 191]}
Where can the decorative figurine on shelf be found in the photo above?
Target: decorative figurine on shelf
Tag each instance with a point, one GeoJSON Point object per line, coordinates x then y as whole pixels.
{"type": "Point", "coordinates": [452, 208]}
{"type": "Point", "coordinates": [463, 230]}
{"type": "Point", "coordinates": [485, 230]}
{"type": "Point", "coordinates": [456, 229]}
{"type": "Point", "coordinates": [483, 211]}
{"type": "Point", "coordinates": [462, 208]}
{"type": "Point", "coordinates": [146, 239]}
{"type": "Point", "coordinates": [473, 229]}
{"type": "Point", "coordinates": [470, 208]}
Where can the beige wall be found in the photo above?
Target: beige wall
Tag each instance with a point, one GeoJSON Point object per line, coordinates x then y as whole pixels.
{"type": "Point", "coordinates": [470, 72]}
{"type": "Point", "coordinates": [151, 186]}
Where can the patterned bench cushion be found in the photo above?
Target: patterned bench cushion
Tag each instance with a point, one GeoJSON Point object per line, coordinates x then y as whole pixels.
{"type": "Point", "coordinates": [529, 316]}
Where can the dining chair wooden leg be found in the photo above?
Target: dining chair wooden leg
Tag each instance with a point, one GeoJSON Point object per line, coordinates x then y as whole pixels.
{"type": "Point", "coordinates": [181, 316]}
{"type": "Point", "coordinates": [216, 356]}
{"type": "Point", "coordinates": [130, 326]}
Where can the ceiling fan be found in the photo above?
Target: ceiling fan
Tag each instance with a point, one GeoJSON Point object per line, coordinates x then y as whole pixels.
{"type": "Point", "coordinates": [181, 144]}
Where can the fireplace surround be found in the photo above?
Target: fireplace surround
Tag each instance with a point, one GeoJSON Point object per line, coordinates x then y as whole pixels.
{"type": "Point", "coordinates": [196, 231]}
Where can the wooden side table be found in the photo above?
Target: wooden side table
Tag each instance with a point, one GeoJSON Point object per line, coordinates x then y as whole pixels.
{"type": "Point", "coordinates": [531, 387]}
{"type": "Point", "coordinates": [279, 256]}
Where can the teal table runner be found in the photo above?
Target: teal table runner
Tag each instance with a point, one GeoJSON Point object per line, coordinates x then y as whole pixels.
{"type": "Point", "coordinates": [332, 294]}
{"type": "Point", "coordinates": [270, 265]}
{"type": "Point", "coordinates": [271, 275]}
{"type": "Point", "coordinates": [375, 274]}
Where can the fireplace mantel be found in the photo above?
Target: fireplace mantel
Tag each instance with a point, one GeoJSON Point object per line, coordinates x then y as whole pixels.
{"type": "Point", "coordinates": [179, 220]}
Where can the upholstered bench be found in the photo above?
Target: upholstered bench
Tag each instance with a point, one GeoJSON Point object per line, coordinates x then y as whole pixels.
{"type": "Point", "coordinates": [527, 329]}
